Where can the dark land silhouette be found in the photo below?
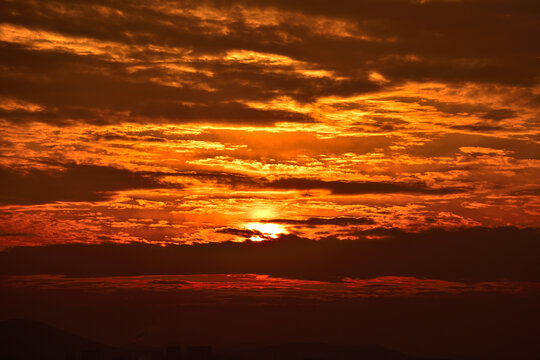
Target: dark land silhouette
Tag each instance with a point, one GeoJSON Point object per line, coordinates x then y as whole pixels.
{"type": "Point", "coordinates": [33, 340]}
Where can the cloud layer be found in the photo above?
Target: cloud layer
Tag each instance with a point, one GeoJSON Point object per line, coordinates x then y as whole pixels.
{"type": "Point", "coordinates": [477, 254]}
{"type": "Point", "coordinates": [184, 122]}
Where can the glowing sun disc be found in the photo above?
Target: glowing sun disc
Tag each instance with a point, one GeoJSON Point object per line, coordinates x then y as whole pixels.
{"type": "Point", "coordinates": [267, 229]}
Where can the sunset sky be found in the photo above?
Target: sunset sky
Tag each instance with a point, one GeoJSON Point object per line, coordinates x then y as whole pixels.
{"type": "Point", "coordinates": [302, 150]}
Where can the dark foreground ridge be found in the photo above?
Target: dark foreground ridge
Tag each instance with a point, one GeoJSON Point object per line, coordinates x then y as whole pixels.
{"type": "Point", "coordinates": [27, 339]}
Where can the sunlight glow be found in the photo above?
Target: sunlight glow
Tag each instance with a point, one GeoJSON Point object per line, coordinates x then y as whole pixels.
{"type": "Point", "coordinates": [267, 229]}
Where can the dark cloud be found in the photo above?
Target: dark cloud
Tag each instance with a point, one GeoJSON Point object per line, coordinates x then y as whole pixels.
{"type": "Point", "coordinates": [462, 109]}
{"type": "Point", "coordinates": [534, 191]}
{"type": "Point", "coordinates": [90, 89]}
{"type": "Point", "coordinates": [477, 127]}
{"type": "Point", "coordinates": [358, 187]}
{"type": "Point", "coordinates": [314, 221]}
{"type": "Point", "coordinates": [73, 183]}
{"type": "Point", "coordinates": [476, 254]}
{"type": "Point", "coordinates": [336, 187]}
{"type": "Point", "coordinates": [485, 41]}
{"type": "Point", "coordinates": [240, 232]}
{"type": "Point", "coordinates": [169, 282]}
{"type": "Point", "coordinates": [449, 144]}
{"type": "Point", "coordinates": [229, 112]}
{"type": "Point", "coordinates": [2, 233]}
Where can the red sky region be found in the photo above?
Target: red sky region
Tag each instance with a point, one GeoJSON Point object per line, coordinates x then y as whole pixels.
{"type": "Point", "coordinates": [349, 156]}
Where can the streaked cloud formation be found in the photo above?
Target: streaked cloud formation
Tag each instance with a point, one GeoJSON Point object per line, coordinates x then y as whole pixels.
{"type": "Point", "coordinates": [183, 122]}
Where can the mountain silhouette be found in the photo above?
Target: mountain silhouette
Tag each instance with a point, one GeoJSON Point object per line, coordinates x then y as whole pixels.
{"type": "Point", "coordinates": [33, 340]}
{"type": "Point", "coordinates": [28, 339]}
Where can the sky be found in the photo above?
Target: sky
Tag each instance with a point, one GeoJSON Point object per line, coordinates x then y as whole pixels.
{"type": "Point", "coordinates": [299, 151]}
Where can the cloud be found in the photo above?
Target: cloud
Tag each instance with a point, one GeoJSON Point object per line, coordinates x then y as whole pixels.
{"type": "Point", "coordinates": [336, 187]}
{"type": "Point", "coordinates": [477, 127]}
{"type": "Point", "coordinates": [358, 187]}
{"type": "Point", "coordinates": [315, 221]}
{"type": "Point", "coordinates": [475, 254]}
{"type": "Point", "coordinates": [240, 232]}
{"type": "Point", "coordinates": [449, 144]}
{"type": "Point", "coordinates": [6, 234]}
{"type": "Point", "coordinates": [108, 62]}
{"type": "Point", "coordinates": [462, 109]}
{"type": "Point", "coordinates": [73, 183]}
{"type": "Point", "coordinates": [69, 87]}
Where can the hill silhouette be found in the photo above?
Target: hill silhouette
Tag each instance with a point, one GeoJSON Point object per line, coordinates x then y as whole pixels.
{"type": "Point", "coordinates": [28, 339]}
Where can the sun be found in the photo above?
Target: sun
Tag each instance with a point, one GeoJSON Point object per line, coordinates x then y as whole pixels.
{"type": "Point", "coordinates": [268, 230]}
